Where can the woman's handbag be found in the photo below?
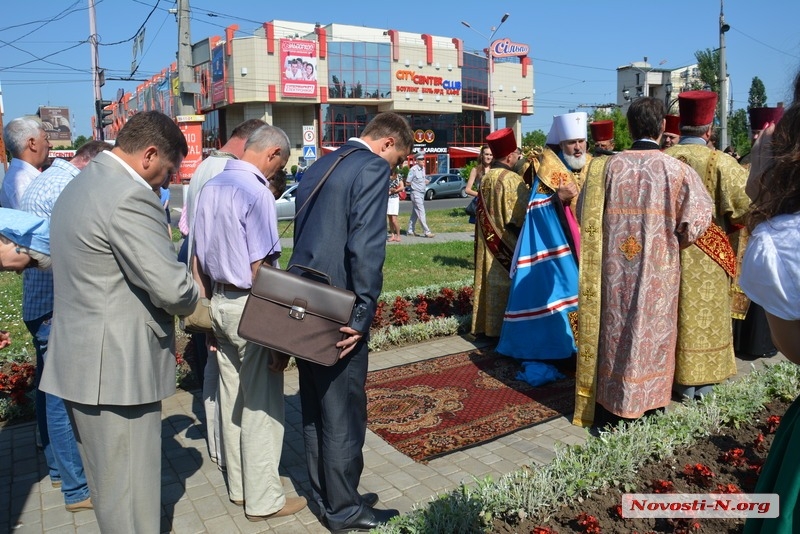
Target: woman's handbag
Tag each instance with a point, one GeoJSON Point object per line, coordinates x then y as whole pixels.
{"type": "Point", "coordinates": [294, 314]}
{"type": "Point", "coordinates": [402, 194]}
{"type": "Point", "coordinates": [472, 207]}
{"type": "Point", "coordinates": [299, 314]}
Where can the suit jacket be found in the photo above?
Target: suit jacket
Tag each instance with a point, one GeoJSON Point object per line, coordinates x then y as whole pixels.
{"type": "Point", "coordinates": [342, 231]}
{"type": "Point", "coordinates": [117, 284]}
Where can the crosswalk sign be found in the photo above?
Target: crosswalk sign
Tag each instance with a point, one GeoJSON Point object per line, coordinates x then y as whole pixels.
{"type": "Point", "coordinates": [309, 152]}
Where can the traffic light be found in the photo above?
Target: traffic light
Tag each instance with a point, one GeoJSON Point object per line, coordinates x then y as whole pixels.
{"type": "Point", "coordinates": [103, 118]}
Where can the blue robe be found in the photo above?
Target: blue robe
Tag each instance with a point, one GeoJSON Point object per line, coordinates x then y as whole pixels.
{"type": "Point", "coordinates": [544, 286]}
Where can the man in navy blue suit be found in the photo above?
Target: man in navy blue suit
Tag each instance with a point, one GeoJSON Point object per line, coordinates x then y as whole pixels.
{"type": "Point", "coordinates": [342, 232]}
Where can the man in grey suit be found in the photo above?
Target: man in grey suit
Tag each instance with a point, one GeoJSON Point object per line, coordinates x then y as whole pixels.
{"type": "Point", "coordinates": [350, 210]}
{"type": "Point", "coordinates": [118, 285]}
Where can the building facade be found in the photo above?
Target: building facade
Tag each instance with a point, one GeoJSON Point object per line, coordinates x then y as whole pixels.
{"type": "Point", "coordinates": [323, 84]}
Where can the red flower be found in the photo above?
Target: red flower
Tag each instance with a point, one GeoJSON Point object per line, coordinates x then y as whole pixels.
{"type": "Point", "coordinates": [773, 421]}
{"type": "Point", "coordinates": [699, 474]}
{"type": "Point", "coordinates": [589, 523]}
{"type": "Point", "coordinates": [734, 457]}
{"type": "Point", "coordinates": [758, 444]}
{"type": "Point", "coordinates": [728, 488]}
{"type": "Point", "coordinates": [663, 486]}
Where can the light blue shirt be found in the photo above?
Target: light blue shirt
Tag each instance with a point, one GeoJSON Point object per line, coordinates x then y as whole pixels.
{"type": "Point", "coordinates": [19, 176]}
{"type": "Point", "coordinates": [39, 199]}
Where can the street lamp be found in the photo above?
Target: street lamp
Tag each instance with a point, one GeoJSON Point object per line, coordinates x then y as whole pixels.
{"type": "Point", "coordinates": [490, 57]}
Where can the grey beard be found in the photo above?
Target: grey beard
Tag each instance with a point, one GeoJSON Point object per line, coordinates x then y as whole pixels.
{"type": "Point", "coordinates": [574, 163]}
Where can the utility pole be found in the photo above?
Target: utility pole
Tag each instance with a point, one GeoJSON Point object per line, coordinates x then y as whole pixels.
{"type": "Point", "coordinates": [3, 160]}
{"type": "Point", "coordinates": [723, 78]}
{"type": "Point", "coordinates": [98, 96]}
{"type": "Point", "coordinates": [185, 104]}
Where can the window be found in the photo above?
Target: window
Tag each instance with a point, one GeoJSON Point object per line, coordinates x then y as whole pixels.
{"type": "Point", "coordinates": [359, 70]}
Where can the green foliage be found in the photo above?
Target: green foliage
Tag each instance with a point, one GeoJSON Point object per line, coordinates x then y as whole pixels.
{"type": "Point", "coordinates": [534, 138]}
{"type": "Point", "coordinates": [738, 131]}
{"type": "Point", "coordinates": [758, 94]}
{"type": "Point", "coordinates": [80, 141]}
{"type": "Point", "coordinates": [708, 65]}
{"type": "Point", "coordinates": [622, 136]}
{"type": "Point", "coordinates": [294, 169]}
{"type": "Point", "coordinates": [21, 348]}
{"type": "Point", "coordinates": [403, 171]}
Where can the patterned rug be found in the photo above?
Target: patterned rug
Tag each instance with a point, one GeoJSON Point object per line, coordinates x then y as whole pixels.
{"type": "Point", "coordinates": [434, 407]}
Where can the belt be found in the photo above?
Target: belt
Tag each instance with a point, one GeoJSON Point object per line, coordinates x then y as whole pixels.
{"type": "Point", "coordinates": [231, 287]}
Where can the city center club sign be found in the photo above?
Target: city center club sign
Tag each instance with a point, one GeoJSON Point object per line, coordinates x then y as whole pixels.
{"type": "Point", "coordinates": [432, 85]}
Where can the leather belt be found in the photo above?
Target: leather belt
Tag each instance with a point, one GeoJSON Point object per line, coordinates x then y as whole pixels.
{"type": "Point", "coordinates": [231, 287]}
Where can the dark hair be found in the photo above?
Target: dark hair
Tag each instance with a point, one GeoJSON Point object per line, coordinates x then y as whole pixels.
{"type": "Point", "coordinates": [277, 183]}
{"type": "Point", "coordinates": [390, 125]}
{"type": "Point", "coordinates": [153, 128]}
{"type": "Point", "coordinates": [646, 118]}
{"type": "Point", "coordinates": [781, 181]}
{"type": "Point", "coordinates": [92, 148]}
{"type": "Point", "coordinates": [243, 130]}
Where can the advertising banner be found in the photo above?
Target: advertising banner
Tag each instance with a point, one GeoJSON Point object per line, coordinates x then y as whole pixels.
{"type": "Point", "coordinates": [218, 74]}
{"type": "Point", "coordinates": [299, 68]}
{"type": "Point", "coordinates": [192, 128]}
{"type": "Point", "coordinates": [56, 124]}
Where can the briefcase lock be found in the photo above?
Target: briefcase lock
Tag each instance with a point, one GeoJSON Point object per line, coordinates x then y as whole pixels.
{"type": "Point", "coordinates": [297, 312]}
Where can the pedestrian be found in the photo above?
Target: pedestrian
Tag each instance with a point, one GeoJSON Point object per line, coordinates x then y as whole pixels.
{"type": "Point", "coordinates": [118, 286]}
{"type": "Point", "coordinates": [55, 429]}
{"type": "Point", "coordinates": [630, 271]}
{"type": "Point", "coordinates": [769, 278]}
{"type": "Point", "coordinates": [29, 145]}
{"type": "Point", "coordinates": [705, 333]}
{"type": "Point", "coordinates": [501, 211]}
{"type": "Point", "coordinates": [418, 181]}
{"type": "Point", "coordinates": [235, 231]}
{"type": "Point", "coordinates": [351, 206]}
{"type": "Point", "coordinates": [396, 184]}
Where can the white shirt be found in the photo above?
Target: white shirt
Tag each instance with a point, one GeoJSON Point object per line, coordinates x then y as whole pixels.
{"type": "Point", "coordinates": [771, 266]}
{"type": "Point", "coordinates": [19, 176]}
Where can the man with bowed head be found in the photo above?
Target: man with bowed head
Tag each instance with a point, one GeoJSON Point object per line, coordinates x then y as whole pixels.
{"type": "Point", "coordinates": [637, 210]}
{"type": "Point", "coordinates": [118, 285]}
{"type": "Point", "coordinates": [235, 231]}
{"type": "Point", "coordinates": [351, 206]}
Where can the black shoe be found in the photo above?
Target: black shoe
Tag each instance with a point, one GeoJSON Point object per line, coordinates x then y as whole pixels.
{"type": "Point", "coordinates": [368, 519]}
{"type": "Point", "coordinates": [370, 499]}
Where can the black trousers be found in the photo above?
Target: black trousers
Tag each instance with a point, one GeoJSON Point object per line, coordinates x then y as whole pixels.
{"type": "Point", "coordinates": [334, 405]}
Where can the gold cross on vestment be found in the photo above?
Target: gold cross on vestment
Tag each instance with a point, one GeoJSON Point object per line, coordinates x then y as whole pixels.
{"type": "Point", "coordinates": [589, 294]}
{"type": "Point", "coordinates": [591, 230]}
{"type": "Point", "coordinates": [586, 354]}
{"type": "Point", "coordinates": [630, 247]}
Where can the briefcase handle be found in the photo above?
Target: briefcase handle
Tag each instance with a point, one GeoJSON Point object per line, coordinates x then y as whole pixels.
{"type": "Point", "coordinates": [308, 272]}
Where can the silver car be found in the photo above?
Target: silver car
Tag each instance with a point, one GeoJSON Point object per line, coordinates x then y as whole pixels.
{"type": "Point", "coordinates": [443, 185]}
{"type": "Point", "coordinates": [285, 204]}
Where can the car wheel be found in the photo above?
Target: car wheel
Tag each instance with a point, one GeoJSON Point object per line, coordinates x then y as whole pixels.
{"type": "Point", "coordinates": [463, 192]}
{"type": "Point", "coordinates": [429, 194]}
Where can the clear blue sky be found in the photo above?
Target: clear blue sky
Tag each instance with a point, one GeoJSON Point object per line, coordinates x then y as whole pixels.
{"type": "Point", "coordinates": [576, 46]}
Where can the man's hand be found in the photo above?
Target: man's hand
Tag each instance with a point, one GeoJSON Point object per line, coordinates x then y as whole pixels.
{"type": "Point", "coordinates": [278, 361]}
{"type": "Point", "coordinates": [211, 343]}
{"type": "Point", "coordinates": [5, 339]}
{"type": "Point", "coordinates": [348, 343]}
{"type": "Point", "coordinates": [567, 190]}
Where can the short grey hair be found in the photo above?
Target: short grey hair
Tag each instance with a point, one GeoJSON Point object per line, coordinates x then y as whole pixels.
{"type": "Point", "coordinates": [268, 136]}
{"type": "Point", "coordinates": [695, 131]}
{"type": "Point", "coordinates": [18, 131]}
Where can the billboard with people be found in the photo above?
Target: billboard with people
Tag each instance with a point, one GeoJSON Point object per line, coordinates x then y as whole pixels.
{"type": "Point", "coordinates": [299, 68]}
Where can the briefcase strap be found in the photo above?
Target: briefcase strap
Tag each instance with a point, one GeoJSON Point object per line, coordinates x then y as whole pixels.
{"type": "Point", "coordinates": [313, 194]}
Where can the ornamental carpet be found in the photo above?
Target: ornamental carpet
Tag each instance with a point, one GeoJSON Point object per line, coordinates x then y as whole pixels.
{"type": "Point", "coordinates": [434, 407]}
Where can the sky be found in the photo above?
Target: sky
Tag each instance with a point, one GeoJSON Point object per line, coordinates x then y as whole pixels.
{"type": "Point", "coordinates": [576, 47]}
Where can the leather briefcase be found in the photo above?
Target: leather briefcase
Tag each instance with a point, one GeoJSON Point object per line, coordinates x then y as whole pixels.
{"type": "Point", "coordinates": [296, 314]}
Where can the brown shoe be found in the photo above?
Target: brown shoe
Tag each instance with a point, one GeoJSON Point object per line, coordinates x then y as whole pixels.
{"type": "Point", "coordinates": [292, 506]}
{"type": "Point", "coordinates": [85, 504]}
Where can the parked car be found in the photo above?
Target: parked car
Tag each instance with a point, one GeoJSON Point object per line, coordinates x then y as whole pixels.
{"type": "Point", "coordinates": [285, 204]}
{"type": "Point", "coordinates": [456, 170]}
{"type": "Point", "coordinates": [443, 185]}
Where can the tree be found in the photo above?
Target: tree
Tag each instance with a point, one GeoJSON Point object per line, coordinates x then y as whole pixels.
{"type": "Point", "coordinates": [737, 129]}
{"type": "Point", "coordinates": [708, 65]}
{"type": "Point", "coordinates": [80, 141]}
{"type": "Point", "coordinates": [758, 94]}
{"type": "Point", "coordinates": [622, 136]}
{"type": "Point", "coordinates": [534, 138]}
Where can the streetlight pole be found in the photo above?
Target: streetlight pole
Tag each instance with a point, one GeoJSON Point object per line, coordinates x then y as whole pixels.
{"type": "Point", "coordinates": [490, 60]}
{"type": "Point", "coordinates": [723, 78]}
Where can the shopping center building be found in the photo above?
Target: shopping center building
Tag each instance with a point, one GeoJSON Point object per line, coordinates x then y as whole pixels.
{"type": "Point", "coordinates": [323, 84]}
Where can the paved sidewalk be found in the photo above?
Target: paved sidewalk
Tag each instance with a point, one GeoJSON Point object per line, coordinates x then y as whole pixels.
{"type": "Point", "coordinates": [194, 497]}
